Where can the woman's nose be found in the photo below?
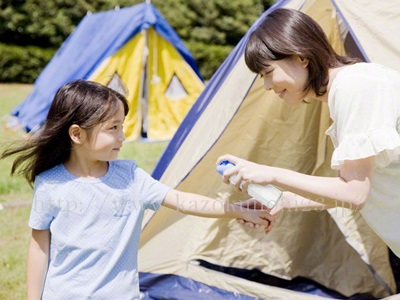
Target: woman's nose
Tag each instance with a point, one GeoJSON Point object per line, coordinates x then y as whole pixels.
{"type": "Point", "coordinates": [267, 84]}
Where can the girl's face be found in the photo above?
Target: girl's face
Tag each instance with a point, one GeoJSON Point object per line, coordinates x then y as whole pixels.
{"type": "Point", "coordinates": [105, 139]}
{"type": "Point", "coordinates": [287, 78]}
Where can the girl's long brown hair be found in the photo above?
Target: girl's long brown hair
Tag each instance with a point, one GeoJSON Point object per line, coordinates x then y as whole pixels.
{"type": "Point", "coordinates": [284, 33]}
{"type": "Point", "coordinates": [79, 102]}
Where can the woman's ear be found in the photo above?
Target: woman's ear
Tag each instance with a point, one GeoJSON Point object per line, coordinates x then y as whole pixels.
{"type": "Point", "coordinates": [303, 61]}
{"type": "Point", "coordinates": [77, 134]}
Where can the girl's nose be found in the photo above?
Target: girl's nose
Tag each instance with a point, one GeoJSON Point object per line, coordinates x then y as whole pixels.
{"type": "Point", "coordinates": [121, 136]}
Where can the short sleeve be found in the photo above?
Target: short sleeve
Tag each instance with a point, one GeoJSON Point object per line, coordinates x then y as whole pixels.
{"type": "Point", "coordinates": [152, 192]}
{"type": "Point", "coordinates": [42, 212]}
{"type": "Point", "coordinates": [365, 110]}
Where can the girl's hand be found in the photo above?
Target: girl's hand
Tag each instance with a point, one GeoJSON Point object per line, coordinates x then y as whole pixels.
{"type": "Point", "coordinates": [254, 211]}
{"type": "Point", "coordinates": [247, 172]}
{"type": "Point", "coordinates": [255, 205]}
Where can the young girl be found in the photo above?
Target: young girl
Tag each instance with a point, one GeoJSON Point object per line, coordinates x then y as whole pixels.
{"type": "Point", "coordinates": [291, 52]}
{"type": "Point", "coordinates": [87, 206]}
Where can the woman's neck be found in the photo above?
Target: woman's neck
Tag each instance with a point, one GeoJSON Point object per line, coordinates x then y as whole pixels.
{"type": "Point", "coordinates": [332, 75]}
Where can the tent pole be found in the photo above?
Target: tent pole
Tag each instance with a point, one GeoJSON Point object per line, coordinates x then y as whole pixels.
{"type": "Point", "coordinates": [143, 91]}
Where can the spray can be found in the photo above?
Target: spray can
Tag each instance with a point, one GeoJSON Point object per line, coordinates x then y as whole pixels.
{"type": "Point", "coordinates": [268, 195]}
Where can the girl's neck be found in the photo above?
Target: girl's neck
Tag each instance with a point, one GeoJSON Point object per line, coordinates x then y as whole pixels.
{"type": "Point", "coordinates": [86, 169]}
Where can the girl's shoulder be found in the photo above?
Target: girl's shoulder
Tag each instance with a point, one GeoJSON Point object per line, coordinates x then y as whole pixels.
{"type": "Point", "coordinates": [123, 169]}
{"type": "Point", "coordinates": [52, 174]}
{"type": "Point", "coordinates": [126, 164]}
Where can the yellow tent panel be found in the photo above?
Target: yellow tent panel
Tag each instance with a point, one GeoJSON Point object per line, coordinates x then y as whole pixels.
{"type": "Point", "coordinates": [158, 83]}
{"type": "Point", "coordinates": [127, 65]}
{"type": "Point", "coordinates": [173, 87]}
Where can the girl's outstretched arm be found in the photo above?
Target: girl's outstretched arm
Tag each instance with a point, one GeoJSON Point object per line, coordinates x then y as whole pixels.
{"type": "Point", "coordinates": [202, 206]}
{"type": "Point", "coordinates": [38, 261]}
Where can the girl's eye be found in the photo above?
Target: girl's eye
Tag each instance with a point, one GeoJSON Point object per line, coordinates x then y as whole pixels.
{"type": "Point", "coordinates": [261, 76]}
{"type": "Point", "coordinates": [114, 127]}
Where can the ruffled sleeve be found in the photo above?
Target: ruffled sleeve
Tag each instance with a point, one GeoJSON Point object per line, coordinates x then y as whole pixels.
{"type": "Point", "coordinates": [365, 110]}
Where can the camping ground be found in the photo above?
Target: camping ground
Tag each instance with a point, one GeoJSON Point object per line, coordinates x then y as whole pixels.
{"type": "Point", "coordinates": [15, 196]}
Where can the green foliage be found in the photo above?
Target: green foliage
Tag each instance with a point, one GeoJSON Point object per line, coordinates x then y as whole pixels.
{"type": "Point", "coordinates": [209, 57]}
{"type": "Point", "coordinates": [219, 24]}
{"type": "Point", "coordinates": [22, 64]}
{"type": "Point", "coordinates": [39, 22]}
{"type": "Point", "coordinates": [46, 23]}
{"type": "Point", "coordinates": [211, 29]}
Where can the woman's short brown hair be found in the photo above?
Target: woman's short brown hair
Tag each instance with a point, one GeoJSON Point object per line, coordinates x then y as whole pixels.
{"type": "Point", "coordinates": [284, 33]}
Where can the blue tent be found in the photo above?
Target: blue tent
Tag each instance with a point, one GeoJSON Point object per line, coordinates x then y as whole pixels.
{"type": "Point", "coordinates": [97, 38]}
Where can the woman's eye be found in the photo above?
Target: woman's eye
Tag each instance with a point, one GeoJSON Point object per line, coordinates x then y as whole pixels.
{"type": "Point", "coordinates": [265, 74]}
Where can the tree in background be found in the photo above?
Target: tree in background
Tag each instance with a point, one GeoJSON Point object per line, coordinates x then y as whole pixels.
{"type": "Point", "coordinates": [32, 30]}
{"type": "Point", "coordinates": [211, 29]}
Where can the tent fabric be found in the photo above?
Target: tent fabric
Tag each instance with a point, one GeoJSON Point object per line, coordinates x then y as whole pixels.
{"type": "Point", "coordinates": [234, 114]}
{"type": "Point", "coordinates": [166, 286]}
{"type": "Point", "coordinates": [107, 37]}
{"type": "Point", "coordinates": [154, 286]}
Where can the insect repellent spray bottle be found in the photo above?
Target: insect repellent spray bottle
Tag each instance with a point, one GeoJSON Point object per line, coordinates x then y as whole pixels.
{"type": "Point", "coordinates": [268, 195]}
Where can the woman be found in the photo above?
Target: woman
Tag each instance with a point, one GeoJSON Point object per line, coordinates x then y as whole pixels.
{"type": "Point", "coordinates": [292, 54]}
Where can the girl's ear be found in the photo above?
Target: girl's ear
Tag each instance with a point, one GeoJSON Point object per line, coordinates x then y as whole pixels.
{"type": "Point", "coordinates": [77, 134]}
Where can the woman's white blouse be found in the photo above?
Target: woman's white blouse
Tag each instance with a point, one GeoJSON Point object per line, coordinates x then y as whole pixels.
{"type": "Point", "coordinates": [364, 104]}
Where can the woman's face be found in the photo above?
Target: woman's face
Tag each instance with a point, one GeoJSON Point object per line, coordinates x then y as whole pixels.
{"type": "Point", "coordinates": [287, 78]}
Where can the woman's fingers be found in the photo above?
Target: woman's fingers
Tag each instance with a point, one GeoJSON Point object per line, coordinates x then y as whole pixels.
{"type": "Point", "coordinates": [238, 181]}
{"type": "Point", "coordinates": [233, 159]}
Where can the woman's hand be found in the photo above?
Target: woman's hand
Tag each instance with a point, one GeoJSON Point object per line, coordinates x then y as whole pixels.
{"type": "Point", "coordinates": [246, 172]}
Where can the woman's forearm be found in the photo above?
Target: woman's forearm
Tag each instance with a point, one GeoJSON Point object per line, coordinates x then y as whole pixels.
{"type": "Point", "coordinates": [294, 202]}
{"type": "Point", "coordinates": [327, 191]}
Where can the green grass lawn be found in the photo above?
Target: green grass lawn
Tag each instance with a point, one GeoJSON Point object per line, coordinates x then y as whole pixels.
{"type": "Point", "coordinates": [15, 196]}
